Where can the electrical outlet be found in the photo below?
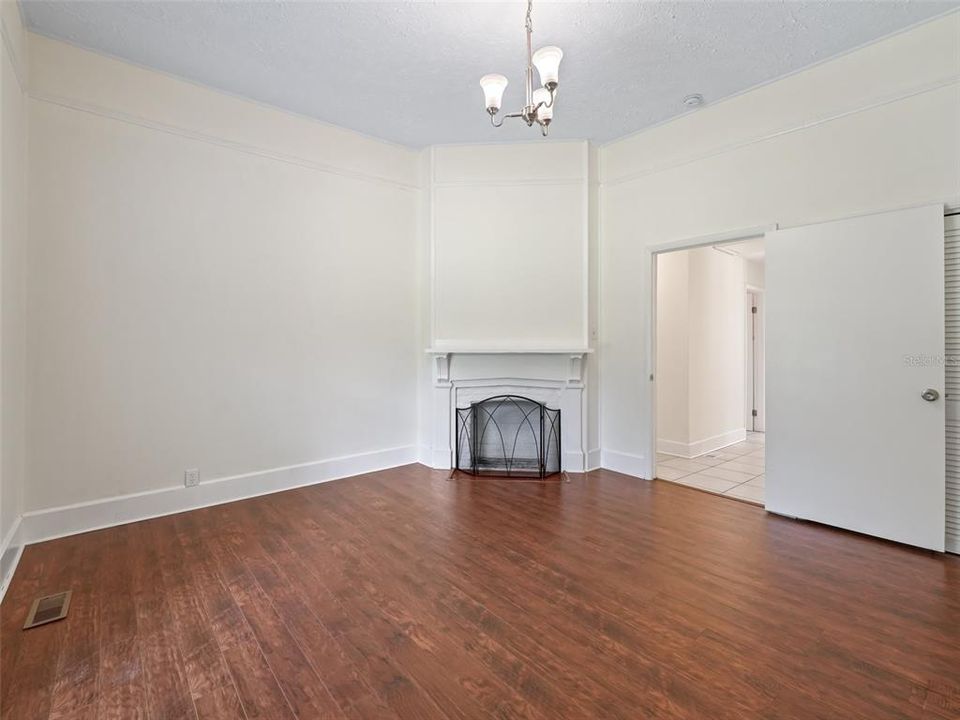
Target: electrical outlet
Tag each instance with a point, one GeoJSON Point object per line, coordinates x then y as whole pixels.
{"type": "Point", "coordinates": [191, 478]}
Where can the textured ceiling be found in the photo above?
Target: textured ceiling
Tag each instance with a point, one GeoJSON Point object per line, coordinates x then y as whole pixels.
{"type": "Point", "coordinates": [408, 71]}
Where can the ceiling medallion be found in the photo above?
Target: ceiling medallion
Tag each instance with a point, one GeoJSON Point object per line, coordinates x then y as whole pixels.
{"type": "Point", "coordinates": [539, 105]}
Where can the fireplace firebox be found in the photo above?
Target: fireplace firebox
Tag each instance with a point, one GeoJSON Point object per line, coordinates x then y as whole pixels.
{"type": "Point", "coordinates": [508, 436]}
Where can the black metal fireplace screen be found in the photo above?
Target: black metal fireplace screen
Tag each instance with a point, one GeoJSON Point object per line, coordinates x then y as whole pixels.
{"type": "Point", "coordinates": [508, 435]}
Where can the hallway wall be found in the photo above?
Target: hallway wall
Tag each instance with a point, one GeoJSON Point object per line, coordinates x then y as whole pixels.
{"type": "Point", "coordinates": [700, 351]}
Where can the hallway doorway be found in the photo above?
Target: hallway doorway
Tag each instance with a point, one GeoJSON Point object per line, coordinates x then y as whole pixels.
{"type": "Point", "coordinates": [710, 360]}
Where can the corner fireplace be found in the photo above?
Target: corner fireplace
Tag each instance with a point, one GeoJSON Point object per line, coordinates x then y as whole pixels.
{"type": "Point", "coordinates": [508, 436]}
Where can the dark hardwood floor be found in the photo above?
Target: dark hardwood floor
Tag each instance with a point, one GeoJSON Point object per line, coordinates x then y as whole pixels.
{"type": "Point", "coordinates": [402, 595]}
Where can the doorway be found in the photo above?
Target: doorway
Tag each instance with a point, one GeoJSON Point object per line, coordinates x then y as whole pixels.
{"type": "Point", "coordinates": [709, 354]}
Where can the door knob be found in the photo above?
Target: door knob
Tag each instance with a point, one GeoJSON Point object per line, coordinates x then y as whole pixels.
{"type": "Point", "coordinates": [930, 395]}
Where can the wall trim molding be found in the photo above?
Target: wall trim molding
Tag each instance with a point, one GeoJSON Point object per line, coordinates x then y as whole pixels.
{"type": "Point", "coordinates": [10, 551]}
{"type": "Point", "coordinates": [51, 523]}
{"type": "Point", "coordinates": [204, 86]}
{"type": "Point", "coordinates": [593, 460]}
{"type": "Point", "coordinates": [218, 141]}
{"type": "Point", "coordinates": [626, 463]}
{"type": "Point", "coordinates": [712, 444]}
{"type": "Point", "coordinates": [788, 130]}
{"type": "Point", "coordinates": [16, 63]}
{"type": "Point", "coordinates": [701, 447]}
{"type": "Point", "coordinates": [673, 447]}
{"type": "Point", "coordinates": [508, 182]}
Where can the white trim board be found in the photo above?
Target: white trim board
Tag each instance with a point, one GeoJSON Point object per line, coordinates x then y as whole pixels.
{"type": "Point", "coordinates": [217, 140]}
{"type": "Point", "coordinates": [786, 130]}
{"type": "Point", "coordinates": [701, 447]}
{"type": "Point", "coordinates": [210, 88]}
{"type": "Point", "coordinates": [648, 314]}
{"type": "Point", "coordinates": [16, 62]}
{"type": "Point", "coordinates": [626, 463]}
{"type": "Point", "coordinates": [594, 460]}
{"type": "Point", "coordinates": [10, 551]}
{"type": "Point", "coordinates": [40, 525]}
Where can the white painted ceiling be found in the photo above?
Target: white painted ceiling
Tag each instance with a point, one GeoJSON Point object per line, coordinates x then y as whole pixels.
{"type": "Point", "coordinates": [408, 71]}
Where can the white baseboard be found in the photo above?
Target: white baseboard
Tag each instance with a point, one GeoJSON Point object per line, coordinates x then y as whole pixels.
{"type": "Point", "coordinates": [437, 459]}
{"type": "Point", "coordinates": [10, 551]}
{"type": "Point", "coordinates": [39, 525]}
{"type": "Point", "coordinates": [701, 447]}
{"type": "Point", "coordinates": [626, 463]}
{"type": "Point", "coordinates": [594, 460]}
{"type": "Point", "coordinates": [673, 447]}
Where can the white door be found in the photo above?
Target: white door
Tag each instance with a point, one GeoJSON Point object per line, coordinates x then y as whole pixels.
{"type": "Point", "coordinates": [952, 274]}
{"type": "Point", "coordinates": [855, 336]}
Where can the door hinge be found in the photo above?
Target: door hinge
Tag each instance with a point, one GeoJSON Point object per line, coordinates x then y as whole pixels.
{"type": "Point", "coordinates": [754, 309]}
{"type": "Point", "coordinates": [753, 412]}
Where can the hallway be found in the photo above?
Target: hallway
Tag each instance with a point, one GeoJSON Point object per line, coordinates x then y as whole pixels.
{"type": "Point", "coordinates": [736, 471]}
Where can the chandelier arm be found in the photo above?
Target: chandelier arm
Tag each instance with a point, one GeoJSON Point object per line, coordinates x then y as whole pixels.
{"type": "Point", "coordinates": [508, 115]}
{"type": "Point", "coordinates": [553, 96]}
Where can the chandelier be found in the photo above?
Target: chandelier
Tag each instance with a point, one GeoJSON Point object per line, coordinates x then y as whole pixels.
{"type": "Point", "coordinates": [539, 105]}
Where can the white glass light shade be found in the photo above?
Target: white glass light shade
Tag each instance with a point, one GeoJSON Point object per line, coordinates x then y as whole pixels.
{"type": "Point", "coordinates": [544, 113]}
{"type": "Point", "coordinates": [547, 61]}
{"type": "Point", "coordinates": [493, 87]}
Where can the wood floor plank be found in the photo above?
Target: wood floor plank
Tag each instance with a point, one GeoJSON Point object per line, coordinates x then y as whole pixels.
{"type": "Point", "coordinates": [404, 595]}
{"type": "Point", "coordinates": [122, 691]}
{"type": "Point", "coordinates": [164, 677]}
{"type": "Point", "coordinates": [255, 684]}
{"type": "Point", "coordinates": [34, 671]}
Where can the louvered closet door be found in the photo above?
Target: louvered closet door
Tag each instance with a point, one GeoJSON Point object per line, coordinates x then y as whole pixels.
{"type": "Point", "coordinates": [952, 287]}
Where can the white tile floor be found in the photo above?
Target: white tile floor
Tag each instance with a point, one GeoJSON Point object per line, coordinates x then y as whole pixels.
{"type": "Point", "coordinates": [735, 471]}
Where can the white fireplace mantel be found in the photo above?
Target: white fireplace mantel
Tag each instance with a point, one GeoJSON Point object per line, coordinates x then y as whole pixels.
{"type": "Point", "coordinates": [554, 376]}
{"type": "Point", "coordinates": [441, 356]}
{"type": "Point", "coordinates": [507, 351]}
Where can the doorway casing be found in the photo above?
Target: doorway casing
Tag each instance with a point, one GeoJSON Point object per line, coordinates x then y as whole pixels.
{"type": "Point", "coordinates": [650, 315]}
{"type": "Point", "coordinates": [754, 401]}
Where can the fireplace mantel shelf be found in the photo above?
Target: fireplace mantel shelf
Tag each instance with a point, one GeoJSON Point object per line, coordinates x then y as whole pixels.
{"type": "Point", "coordinates": [508, 351]}
{"type": "Point", "coordinates": [466, 372]}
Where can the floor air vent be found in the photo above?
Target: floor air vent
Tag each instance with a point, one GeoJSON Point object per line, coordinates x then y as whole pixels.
{"type": "Point", "coordinates": [47, 609]}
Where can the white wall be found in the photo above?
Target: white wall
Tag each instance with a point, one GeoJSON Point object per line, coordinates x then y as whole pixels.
{"type": "Point", "coordinates": [700, 351]}
{"type": "Point", "coordinates": [878, 128]}
{"type": "Point", "coordinates": [509, 242]}
{"type": "Point", "coordinates": [510, 263]}
{"type": "Point", "coordinates": [755, 272]}
{"type": "Point", "coordinates": [673, 352]}
{"type": "Point", "coordinates": [212, 284]}
{"type": "Point", "coordinates": [13, 237]}
{"type": "Point", "coordinates": [716, 350]}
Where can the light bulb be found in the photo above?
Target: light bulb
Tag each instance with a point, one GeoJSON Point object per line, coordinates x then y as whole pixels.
{"type": "Point", "coordinates": [493, 87]}
{"type": "Point", "coordinates": [547, 61]}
